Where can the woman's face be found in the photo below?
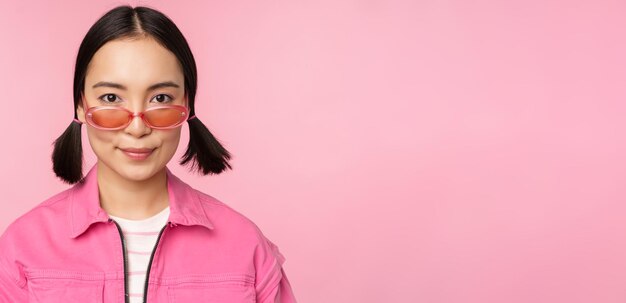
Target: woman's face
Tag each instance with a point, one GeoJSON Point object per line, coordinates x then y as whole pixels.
{"type": "Point", "coordinates": [133, 66]}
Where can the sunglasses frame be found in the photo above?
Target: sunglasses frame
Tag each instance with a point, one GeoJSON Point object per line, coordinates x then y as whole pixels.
{"type": "Point", "coordinates": [132, 115]}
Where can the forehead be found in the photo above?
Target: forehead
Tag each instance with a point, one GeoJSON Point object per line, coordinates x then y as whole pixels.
{"type": "Point", "coordinates": [134, 63]}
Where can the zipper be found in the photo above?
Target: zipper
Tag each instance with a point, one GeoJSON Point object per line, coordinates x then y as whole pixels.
{"type": "Point", "coordinates": [126, 296]}
{"type": "Point", "coordinates": [145, 287]}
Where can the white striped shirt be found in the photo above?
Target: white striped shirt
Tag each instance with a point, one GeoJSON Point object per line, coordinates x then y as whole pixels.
{"type": "Point", "coordinates": [139, 239]}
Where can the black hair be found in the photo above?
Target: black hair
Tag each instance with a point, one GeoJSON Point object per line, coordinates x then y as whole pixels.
{"type": "Point", "coordinates": [204, 152]}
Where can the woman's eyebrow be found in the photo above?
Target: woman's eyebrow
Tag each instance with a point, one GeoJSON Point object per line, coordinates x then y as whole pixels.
{"type": "Point", "coordinates": [122, 87]}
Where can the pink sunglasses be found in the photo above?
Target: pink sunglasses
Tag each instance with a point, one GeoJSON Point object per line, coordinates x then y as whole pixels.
{"type": "Point", "coordinates": [110, 117]}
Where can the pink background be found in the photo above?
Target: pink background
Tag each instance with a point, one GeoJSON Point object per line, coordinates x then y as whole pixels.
{"type": "Point", "coordinates": [395, 151]}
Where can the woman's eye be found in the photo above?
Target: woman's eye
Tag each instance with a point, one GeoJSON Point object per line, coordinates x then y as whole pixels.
{"type": "Point", "coordinates": [162, 98]}
{"type": "Point", "coordinates": [108, 98]}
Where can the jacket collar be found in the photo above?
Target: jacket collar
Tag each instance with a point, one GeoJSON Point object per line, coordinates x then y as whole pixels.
{"type": "Point", "coordinates": [84, 206]}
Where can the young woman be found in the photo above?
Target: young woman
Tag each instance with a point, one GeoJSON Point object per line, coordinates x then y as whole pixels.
{"type": "Point", "coordinates": [129, 230]}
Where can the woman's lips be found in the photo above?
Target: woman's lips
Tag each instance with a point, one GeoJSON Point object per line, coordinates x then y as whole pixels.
{"type": "Point", "coordinates": [137, 153]}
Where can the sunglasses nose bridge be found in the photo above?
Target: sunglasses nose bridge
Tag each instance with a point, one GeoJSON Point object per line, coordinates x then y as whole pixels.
{"type": "Point", "coordinates": [141, 116]}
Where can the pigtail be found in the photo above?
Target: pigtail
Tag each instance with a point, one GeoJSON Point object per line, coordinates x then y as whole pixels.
{"type": "Point", "coordinates": [204, 150]}
{"type": "Point", "coordinates": [67, 157]}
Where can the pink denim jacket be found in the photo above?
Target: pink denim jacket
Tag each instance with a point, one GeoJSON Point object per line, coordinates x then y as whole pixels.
{"type": "Point", "coordinates": [67, 249]}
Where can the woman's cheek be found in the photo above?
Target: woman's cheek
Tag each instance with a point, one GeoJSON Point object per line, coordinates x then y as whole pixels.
{"type": "Point", "coordinates": [170, 141]}
{"type": "Point", "coordinates": [101, 142]}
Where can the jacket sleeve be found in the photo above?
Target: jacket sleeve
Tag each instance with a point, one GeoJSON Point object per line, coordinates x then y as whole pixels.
{"type": "Point", "coordinates": [283, 293]}
{"type": "Point", "coordinates": [272, 285]}
{"type": "Point", "coordinates": [12, 280]}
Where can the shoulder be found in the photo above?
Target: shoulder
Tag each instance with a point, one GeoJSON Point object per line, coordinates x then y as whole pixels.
{"type": "Point", "coordinates": [227, 218]}
{"type": "Point", "coordinates": [267, 256]}
{"type": "Point", "coordinates": [40, 226]}
{"type": "Point", "coordinates": [47, 212]}
{"type": "Point", "coordinates": [224, 216]}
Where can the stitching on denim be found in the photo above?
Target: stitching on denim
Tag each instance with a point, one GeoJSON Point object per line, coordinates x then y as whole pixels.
{"type": "Point", "coordinates": [226, 278]}
{"type": "Point", "coordinates": [62, 274]}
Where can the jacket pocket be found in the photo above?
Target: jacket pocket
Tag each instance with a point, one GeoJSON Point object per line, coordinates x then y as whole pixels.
{"type": "Point", "coordinates": [53, 290]}
{"type": "Point", "coordinates": [231, 288]}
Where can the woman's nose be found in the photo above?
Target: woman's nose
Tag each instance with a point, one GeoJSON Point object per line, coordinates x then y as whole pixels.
{"type": "Point", "coordinates": [138, 127]}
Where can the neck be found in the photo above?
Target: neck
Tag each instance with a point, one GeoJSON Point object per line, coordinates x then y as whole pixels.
{"type": "Point", "coordinates": [131, 199]}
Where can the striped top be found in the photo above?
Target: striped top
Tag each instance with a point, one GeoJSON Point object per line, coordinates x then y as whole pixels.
{"type": "Point", "coordinates": [140, 236]}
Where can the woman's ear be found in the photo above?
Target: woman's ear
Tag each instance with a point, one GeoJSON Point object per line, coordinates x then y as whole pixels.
{"type": "Point", "coordinates": [80, 111]}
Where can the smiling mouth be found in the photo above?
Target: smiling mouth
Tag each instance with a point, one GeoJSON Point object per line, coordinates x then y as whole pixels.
{"type": "Point", "coordinates": [138, 153]}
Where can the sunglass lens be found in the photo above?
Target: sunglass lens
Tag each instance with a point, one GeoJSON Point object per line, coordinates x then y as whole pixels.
{"type": "Point", "coordinates": [164, 117]}
{"type": "Point", "coordinates": [110, 118]}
